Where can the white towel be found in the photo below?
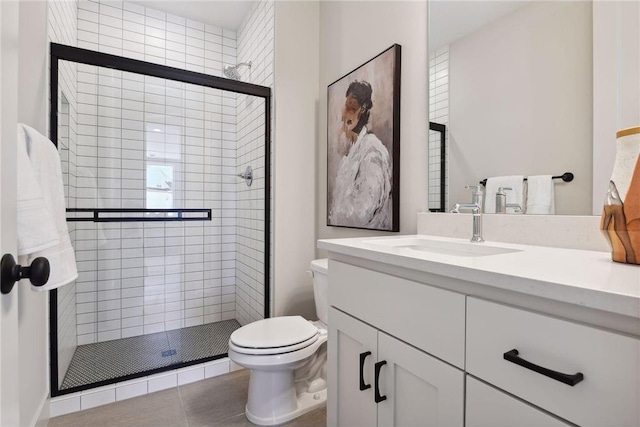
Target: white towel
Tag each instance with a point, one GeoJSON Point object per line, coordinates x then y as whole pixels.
{"type": "Point", "coordinates": [41, 173]}
{"type": "Point", "coordinates": [540, 195]}
{"type": "Point", "coordinates": [513, 196]}
{"type": "Point", "coordinates": [36, 227]}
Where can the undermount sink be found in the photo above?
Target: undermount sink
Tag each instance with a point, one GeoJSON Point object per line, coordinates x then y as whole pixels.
{"type": "Point", "coordinates": [443, 247]}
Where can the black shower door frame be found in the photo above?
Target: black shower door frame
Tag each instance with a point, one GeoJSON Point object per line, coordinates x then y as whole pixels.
{"type": "Point", "coordinates": [90, 57]}
{"type": "Point", "coordinates": [442, 129]}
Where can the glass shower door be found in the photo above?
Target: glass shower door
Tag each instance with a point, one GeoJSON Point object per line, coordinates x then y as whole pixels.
{"type": "Point", "coordinates": [170, 241]}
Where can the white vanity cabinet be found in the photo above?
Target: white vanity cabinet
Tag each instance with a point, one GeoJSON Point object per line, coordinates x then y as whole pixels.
{"type": "Point", "coordinates": [448, 358]}
{"type": "Point", "coordinates": [375, 379]}
{"type": "Point", "coordinates": [385, 346]}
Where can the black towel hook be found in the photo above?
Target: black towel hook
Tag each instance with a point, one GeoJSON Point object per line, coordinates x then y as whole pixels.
{"type": "Point", "coordinates": [10, 272]}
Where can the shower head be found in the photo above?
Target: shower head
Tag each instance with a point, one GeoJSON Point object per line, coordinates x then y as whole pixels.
{"type": "Point", "coordinates": [231, 71]}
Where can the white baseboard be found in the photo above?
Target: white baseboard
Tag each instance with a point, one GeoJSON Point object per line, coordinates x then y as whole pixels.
{"type": "Point", "coordinates": [41, 418]}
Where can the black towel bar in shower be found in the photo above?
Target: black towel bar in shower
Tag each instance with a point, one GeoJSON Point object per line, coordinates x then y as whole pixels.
{"type": "Point", "coordinates": [125, 215]}
{"type": "Point", "coordinates": [566, 177]}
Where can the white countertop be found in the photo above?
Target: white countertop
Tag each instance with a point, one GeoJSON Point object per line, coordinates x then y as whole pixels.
{"type": "Point", "coordinates": [585, 278]}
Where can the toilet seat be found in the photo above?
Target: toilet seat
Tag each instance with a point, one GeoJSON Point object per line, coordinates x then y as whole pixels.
{"type": "Point", "coordinates": [276, 360]}
{"type": "Point", "coordinates": [274, 335]}
{"type": "Point", "coordinates": [274, 350]}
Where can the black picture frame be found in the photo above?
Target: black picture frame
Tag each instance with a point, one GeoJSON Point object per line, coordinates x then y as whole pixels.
{"type": "Point", "coordinates": [363, 182]}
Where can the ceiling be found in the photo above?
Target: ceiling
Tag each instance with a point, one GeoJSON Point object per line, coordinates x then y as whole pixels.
{"type": "Point", "coordinates": [227, 14]}
{"type": "Point", "coordinates": [452, 20]}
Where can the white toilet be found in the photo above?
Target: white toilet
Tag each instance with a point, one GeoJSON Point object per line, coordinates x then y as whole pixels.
{"type": "Point", "coordinates": [287, 357]}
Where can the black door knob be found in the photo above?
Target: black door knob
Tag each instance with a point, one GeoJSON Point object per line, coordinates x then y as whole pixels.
{"type": "Point", "coordinates": [10, 272]}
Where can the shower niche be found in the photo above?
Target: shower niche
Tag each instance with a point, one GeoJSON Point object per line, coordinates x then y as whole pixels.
{"type": "Point", "coordinates": [172, 246]}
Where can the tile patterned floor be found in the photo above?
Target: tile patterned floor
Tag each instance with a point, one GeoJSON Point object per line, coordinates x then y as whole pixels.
{"type": "Point", "coordinates": [215, 402]}
{"type": "Point", "coordinates": [107, 360]}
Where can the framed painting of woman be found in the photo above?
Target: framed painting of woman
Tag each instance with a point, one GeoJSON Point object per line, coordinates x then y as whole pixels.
{"type": "Point", "coordinates": [363, 146]}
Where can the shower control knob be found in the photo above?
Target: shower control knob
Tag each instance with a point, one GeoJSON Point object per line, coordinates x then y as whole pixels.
{"type": "Point", "coordinates": [10, 272]}
{"type": "Point", "coordinates": [247, 176]}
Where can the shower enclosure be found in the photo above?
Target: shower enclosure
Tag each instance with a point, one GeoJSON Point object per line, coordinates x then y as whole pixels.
{"type": "Point", "coordinates": [172, 246]}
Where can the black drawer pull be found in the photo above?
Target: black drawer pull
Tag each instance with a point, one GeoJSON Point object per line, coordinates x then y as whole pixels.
{"type": "Point", "coordinates": [512, 356]}
{"type": "Point", "coordinates": [377, 398]}
{"type": "Point", "coordinates": [363, 356]}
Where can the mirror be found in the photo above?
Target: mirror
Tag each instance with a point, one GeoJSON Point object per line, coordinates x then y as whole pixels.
{"type": "Point", "coordinates": [513, 84]}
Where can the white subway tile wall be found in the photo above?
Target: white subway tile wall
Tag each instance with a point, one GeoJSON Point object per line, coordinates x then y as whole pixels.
{"type": "Point", "coordinates": [62, 28]}
{"type": "Point", "coordinates": [147, 142]}
{"type": "Point", "coordinates": [255, 44]}
{"type": "Point", "coordinates": [439, 113]}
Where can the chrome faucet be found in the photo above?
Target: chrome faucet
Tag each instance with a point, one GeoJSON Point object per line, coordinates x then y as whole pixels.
{"type": "Point", "coordinates": [477, 218]}
{"type": "Point", "coordinates": [476, 209]}
{"type": "Point", "coordinates": [476, 195]}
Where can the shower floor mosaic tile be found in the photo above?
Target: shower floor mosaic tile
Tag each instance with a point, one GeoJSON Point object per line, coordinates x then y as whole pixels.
{"type": "Point", "coordinates": [107, 360]}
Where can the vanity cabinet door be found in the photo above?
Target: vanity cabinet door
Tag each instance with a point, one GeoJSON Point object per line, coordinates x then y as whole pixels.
{"type": "Point", "coordinates": [420, 390]}
{"type": "Point", "coordinates": [489, 407]}
{"type": "Point", "coordinates": [352, 352]}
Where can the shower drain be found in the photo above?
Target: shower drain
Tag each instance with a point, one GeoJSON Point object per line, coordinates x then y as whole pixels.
{"type": "Point", "coordinates": [168, 353]}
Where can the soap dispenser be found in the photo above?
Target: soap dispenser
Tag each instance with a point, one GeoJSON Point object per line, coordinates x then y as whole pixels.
{"type": "Point", "coordinates": [501, 200]}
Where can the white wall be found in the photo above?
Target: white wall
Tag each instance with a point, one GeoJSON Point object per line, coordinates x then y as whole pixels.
{"type": "Point", "coordinates": [616, 87]}
{"type": "Point", "coordinates": [33, 306]}
{"type": "Point", "coordinates": [605, 96]}
{"type": "Point", "coordinates": [32, 107]}
{"type": "Point", "coordinates": [629, 63]}
{"type": "Point", "coordinates": [501, 124]}
{"type": "Point", "coordinates": [297, 30]}
{"type": "Point", "coordinates": [351, 33]}
{"type": "Point", "coordinates": [9, 353]}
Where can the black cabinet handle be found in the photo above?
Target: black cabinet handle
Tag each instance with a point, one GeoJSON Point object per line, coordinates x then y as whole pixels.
{"type": "Point", "coordinates": [377, 398]}
{"type": "Point", "coordinates": [512, 356]}
{"type": "Point", "coordinates": [10, 272]}
{"type": "Point", "coordinates": [363, 356]}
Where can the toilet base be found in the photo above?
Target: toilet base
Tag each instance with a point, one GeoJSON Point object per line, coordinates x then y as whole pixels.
{"type": "Point", "coordinates": [306, 402]}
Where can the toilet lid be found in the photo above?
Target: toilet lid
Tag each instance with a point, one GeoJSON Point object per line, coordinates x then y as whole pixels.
{"type": "Point", "coordinates": [273, 350]}
{"type": "Point", "coordinates": [274, 332]}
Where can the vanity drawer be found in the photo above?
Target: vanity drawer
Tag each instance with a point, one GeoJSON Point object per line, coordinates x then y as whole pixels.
{"type": "Point", "coordinates": [608, 394]}
{"type": "Point", "coordinates": [429, 318]}
{"type": "Point", "coordinates": [490, 407]}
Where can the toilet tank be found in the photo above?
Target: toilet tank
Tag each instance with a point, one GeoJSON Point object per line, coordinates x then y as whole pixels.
{"type": "Point", "coordinates": [320, 268]}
